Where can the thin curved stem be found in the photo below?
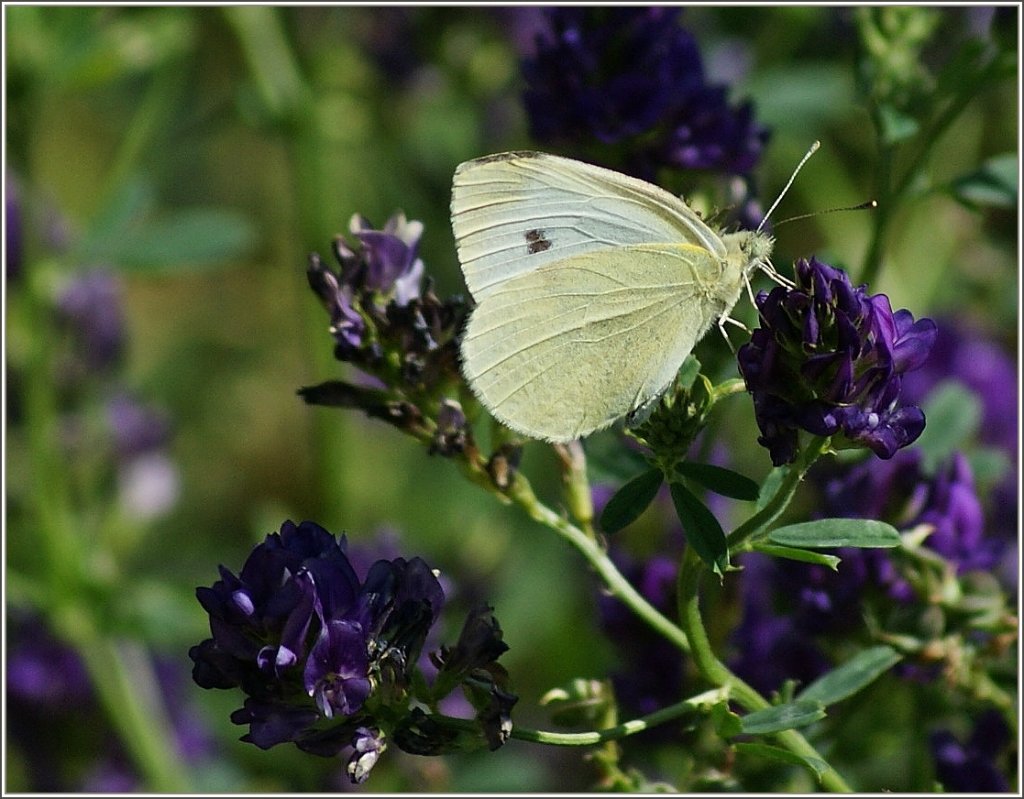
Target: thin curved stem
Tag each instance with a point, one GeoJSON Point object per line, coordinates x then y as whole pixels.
{"type": "Point", "coordinates": [693, 704]}
{"type": "Point", "coordinates": [522, 494]}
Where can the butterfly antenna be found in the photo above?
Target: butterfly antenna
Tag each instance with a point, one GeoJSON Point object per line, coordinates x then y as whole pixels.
{"type": "Point", "coordinates": [864, 206]}
{"type": "Point", "coordinates": [810, 152]}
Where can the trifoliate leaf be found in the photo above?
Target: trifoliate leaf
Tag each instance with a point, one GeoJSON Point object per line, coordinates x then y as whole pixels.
{"type": "Point", "coordinates": [631, 500]}
{"type": "Point", "coordinates": [702, 530]}
{"type": "Point", "coordinates": [722, 481]}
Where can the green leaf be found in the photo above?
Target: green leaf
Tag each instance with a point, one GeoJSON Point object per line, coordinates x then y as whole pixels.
{"type": "Point", "coordinates": [857, 673]}
{"type": "Point", "coordinates": [994, 183]}
{"type": "Point", "coordinates": [722, 481]}
{"type": "Point", "coordinates": [828, 533]}
{"type": "Point", "coordinates": [771, 485]}
{"type": "Point", "coordinates": [702, 530]}
{"type": "Point", "coordinates": [191, 236]}
{"type": "Point", "coordinates": [631, 500]}
{"type": "Point", "coordinates": [803, 555]}
{"type": "Point", "coordinates": [807, 94]}
{"type": "Point", "coordinates": [896, 126]}
{"type": "Point", "coordinates": [988, 465]}
{"type": "Point", "coordinates": [726, 722]}
{"type": "Point", "coordinates": [952, 417]}
{"type": "Point", "coordinates": [815, 765]}
{"type": "Point", "coordinates": [782, 717]}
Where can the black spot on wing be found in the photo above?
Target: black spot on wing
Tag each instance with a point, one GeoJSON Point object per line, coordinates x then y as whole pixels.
{"type": "Point", "coordinates": [535, 242]}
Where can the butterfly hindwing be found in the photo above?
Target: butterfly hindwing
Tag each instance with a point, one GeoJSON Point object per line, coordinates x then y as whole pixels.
{"type": "Point", "coordinates": [569, 347]}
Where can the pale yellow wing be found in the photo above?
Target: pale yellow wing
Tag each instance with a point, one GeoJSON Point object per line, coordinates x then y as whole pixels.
{"type": "Point", "coordinates": [515, 212]}
{"type": "Point", "coordinates": [568, 348]}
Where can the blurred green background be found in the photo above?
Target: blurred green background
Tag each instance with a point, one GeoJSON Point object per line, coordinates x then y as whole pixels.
{"type": "Point", "coordinates": [203, 152]}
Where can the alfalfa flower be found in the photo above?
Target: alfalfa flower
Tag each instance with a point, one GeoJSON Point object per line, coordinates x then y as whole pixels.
{"type": "Point", "coordinates": [829, 358]}
{"type": "Point", "coordinates": [328, 661]}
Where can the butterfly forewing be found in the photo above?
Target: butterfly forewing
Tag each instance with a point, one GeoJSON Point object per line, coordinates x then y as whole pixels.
{"type": "Point", "coordinates": [569, 347]}
{"type": "Point", "coordinates": [513, 213]}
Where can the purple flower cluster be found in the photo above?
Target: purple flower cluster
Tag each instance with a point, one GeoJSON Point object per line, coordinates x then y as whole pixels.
{"type": "Point", "coordinates": [402, 336]}
{"type": "Point", "coordinates": [614, 74]}
{"type": "Point", "coordinates": [379, 312]}
{"type": "Point", "coordinates": [327, 660]}
{"type": "Point", "coordinates": [829, 358]}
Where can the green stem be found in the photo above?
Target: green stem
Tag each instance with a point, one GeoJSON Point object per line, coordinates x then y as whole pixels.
{"type": "Point", "coordinates": [891, 192]}
{"type": "Point", "coordinates": [119, 673]}
{"type": "Point", "coordinates": [576, 486]}
{"type": "Point", "coordinates": [522, 494]}
{"type": "Point", "coordinates": [122, 674]}
{"type": "Point", "coordinates": [149, 119]}
{"type": "Point", "coordinates": [695, 704]}
{"type": "Point", "coordinates": [718, 674]}
{"type": "Point", "coordinates": [780, 500]}
{"type": "Point", "coordinates": [271, 61]}
{"type": "Point", "coordinates": [886, 200]}
{"type": "Point", "coordinates": [701, 702]}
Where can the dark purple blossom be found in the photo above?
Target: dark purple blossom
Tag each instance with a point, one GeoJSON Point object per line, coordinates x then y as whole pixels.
{"type": "Point", "coordinates": [616, 74]}
{"type": "Point", "coordinates": [829, 358]}
{"type": "Point", "coordinates": [382, 319]}
{"type": "Point", "coordinates": [972, 767]}
{"type": "Point", "coordinates": [320, 653]}
{"type": "Point", "coordinates": [338, 668]}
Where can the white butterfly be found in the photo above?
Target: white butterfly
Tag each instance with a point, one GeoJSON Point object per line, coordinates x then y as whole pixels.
{"type": "Point", "coordinates": [591, 287]}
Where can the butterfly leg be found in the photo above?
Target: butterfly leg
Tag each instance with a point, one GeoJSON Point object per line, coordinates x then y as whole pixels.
{"type": "Point", "coordinates": [721, 328]}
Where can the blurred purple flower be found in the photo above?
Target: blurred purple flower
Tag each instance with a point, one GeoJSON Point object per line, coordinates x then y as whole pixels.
{"type": "Point", "coordinates": [964, 355]}
{"type": "Point", "coordinates": [611, 74]}
{"type": "Point", "coordinates": [137, 428]}
{"type": "Point", "coordinates": [90, 309]}
{"type": "Point", "coordinates": [49, 689]}
{"type": "Point", "coordinates": [971, 767]}
{"type": "Point", "coordinates": [829, 358]}
{"type": "Point", "coordinates": [900, 492]}
{"type": "Point", "coordinates": [42, 670]}
{"type": "Point", "coordinates": [650, 672]}
{"type": "Point", "coordinates": [13, 231]}
{"type": "Point", "coordinates": [771, 645]}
